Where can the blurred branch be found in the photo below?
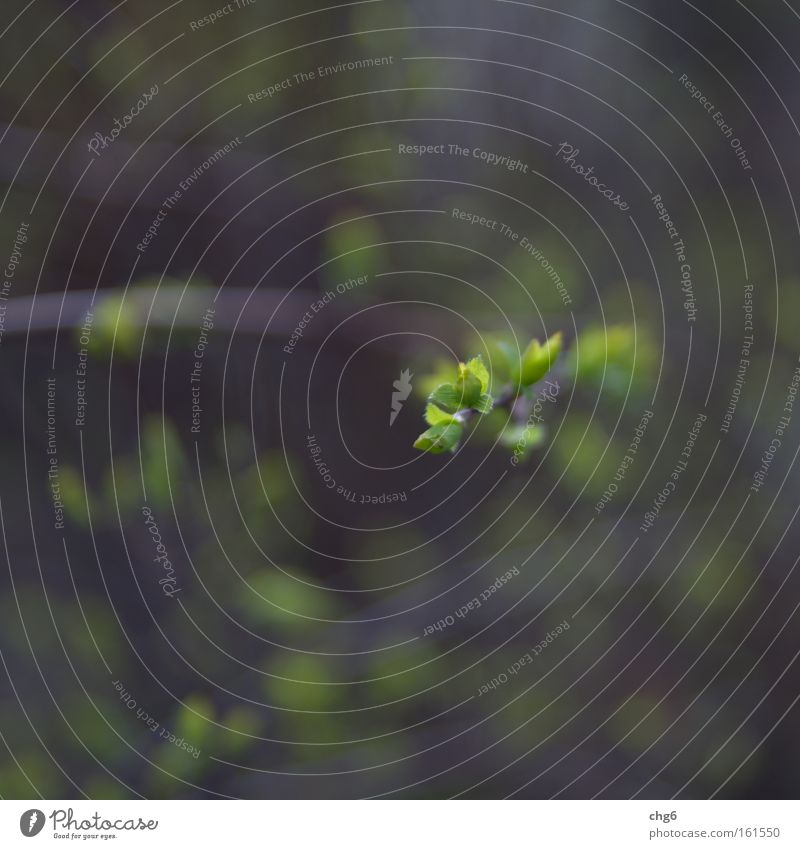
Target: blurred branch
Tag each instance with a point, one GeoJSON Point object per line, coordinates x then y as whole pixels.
{"type": "Point", "coordinates": [236, 309]}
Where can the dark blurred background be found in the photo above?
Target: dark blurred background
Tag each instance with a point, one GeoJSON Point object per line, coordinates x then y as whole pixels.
{"type": "Point", "coordinates": [287, 648]}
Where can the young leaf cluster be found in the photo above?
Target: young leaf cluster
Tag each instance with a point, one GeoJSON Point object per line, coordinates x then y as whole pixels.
{"type": "Point", "coordinates": [452, 406]}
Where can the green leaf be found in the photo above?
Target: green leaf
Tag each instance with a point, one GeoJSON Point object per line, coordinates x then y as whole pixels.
{"type": "Point", "coordinates": [477, 367]}
{"type": "Point", "coordinates": [447, 397]}
{"type": "Point", "coordinates": [468, 386]}
{"type": "Point", "coordinates": [502, 357]}
{"type": "Point", "coordinates": [539, 359]}
{"type": "Point", "coordinates": [621, 358]}
{"type": "Point", "coordinates": [522, 439]}
{"type": "Point", "coordinates": [435, 416]}
{"type": "Point", "coordinates": [441, 372]}
{"type": "Point", "coordinates": [440, 438]}
{"type": "Point", "coordinates": [465, 394]}
{"type": "Point", "coordinates": [484, 404]}
{"type": "Point", "coordinates": [195, 718]}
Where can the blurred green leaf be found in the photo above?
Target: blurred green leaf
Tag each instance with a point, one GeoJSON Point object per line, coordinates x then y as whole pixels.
{"type": "Point", "coordinates": [440, 438]}
{"type": "Point", "coordinates": [468, 385]}
{"type": "Point", "coordinates": [447, 397]}
{"type": "Point", "coordinates": [539, 359]}
{"type": "Point", "coordinates": [436, 416]}
{"type": "Point", "coordinates": [280, 600]}
{"type": "Point", "coordinates": [523, 439]}
{"type": "Point", "coordinates": [476, 366]}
